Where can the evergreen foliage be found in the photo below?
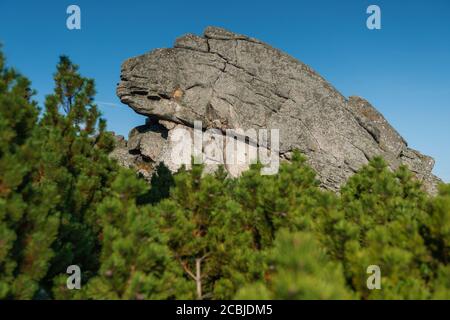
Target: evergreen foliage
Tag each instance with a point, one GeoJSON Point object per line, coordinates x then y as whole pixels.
{"type": "Point", "coordinates": [193, 235]}
{"type": "Point", "coordinates": [54, 172]}
{"type": "Point", "coordinates": [29, 219]}
{"type": "Point", "coordinates": [299, 268]}
{"type": "Point", "coordinates": [76, 160]}
{"type": "Point", "coordinates": [136, 262]}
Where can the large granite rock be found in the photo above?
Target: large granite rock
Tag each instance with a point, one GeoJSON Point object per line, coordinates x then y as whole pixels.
{"type": "Point", "coordinates": [231, 81]}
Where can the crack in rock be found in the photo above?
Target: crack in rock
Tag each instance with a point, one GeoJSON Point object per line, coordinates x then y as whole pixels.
{"type": "Point", "coordinates": [232, 81]}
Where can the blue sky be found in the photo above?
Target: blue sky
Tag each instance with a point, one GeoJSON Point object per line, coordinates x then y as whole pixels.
{"type": "Point", "coordinates": [402, 69]}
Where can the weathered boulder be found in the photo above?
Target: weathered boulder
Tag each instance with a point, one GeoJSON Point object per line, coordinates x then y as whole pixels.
{"type": "Point", "coordinates": [231, 81]}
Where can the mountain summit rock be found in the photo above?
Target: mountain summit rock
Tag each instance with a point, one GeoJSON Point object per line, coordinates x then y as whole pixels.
{"type": "Point", "coordinates": [228, 81]}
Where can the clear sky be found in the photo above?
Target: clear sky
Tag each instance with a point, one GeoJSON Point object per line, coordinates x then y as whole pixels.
{"type": "Point", "coordinates": [402, 69]}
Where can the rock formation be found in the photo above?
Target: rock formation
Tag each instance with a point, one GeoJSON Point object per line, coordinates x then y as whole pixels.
{"type": "Point", "coordinates": [231, 81]}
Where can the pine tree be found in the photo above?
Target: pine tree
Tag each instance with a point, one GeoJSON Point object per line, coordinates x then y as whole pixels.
{"type": "Point", "coordinates": [28, 218]}
{"type": "Point", "coordinates": [382, 217]}
{"type": "Point", "coordinates": [196, 235]}
{"type": "Point", "coordinates": [436, 233]}
{"type": "Point", "coordinates": [206, 233]}
{"type": "Point", "coordinates": [379, 224]}
{"type": "Point", "coordinates": [436, 229]}
{"type": "Point", "coordinates": [161, 182]}
{"type": "Point", "coordinates": [290, 199]}
{"type": "Point", "coordinates": [54, 173]}
{"type": "Point", "coordinates": [76, 159]}
{"type": "Point", "coordinates": [299, 269]}
{"type": "Point", "coordinates": [135, 261]}
{"type": "Point", "coordinates": [218, 227]}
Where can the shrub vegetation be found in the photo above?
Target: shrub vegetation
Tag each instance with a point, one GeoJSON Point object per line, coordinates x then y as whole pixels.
{"type": "Point", "coordinates": [193, 235]}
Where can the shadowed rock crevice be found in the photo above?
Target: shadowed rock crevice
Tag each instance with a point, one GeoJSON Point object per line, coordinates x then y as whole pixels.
{"type": "Point", "coordinates": [231, 81]}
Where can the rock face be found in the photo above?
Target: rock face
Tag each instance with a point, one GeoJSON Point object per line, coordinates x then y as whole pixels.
{"type": "Point", "coordinates": [231, 81]}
